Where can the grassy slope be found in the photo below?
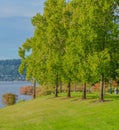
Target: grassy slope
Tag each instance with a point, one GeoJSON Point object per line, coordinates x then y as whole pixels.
{"type": "Point", "coordinates": [48, 113]}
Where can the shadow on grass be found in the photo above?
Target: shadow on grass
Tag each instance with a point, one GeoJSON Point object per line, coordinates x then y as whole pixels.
{"type": "Point", "coordinates": [98, 101]}
{"type": "Point", "coordinates": [107, 96]}
{"type": "Point", "coordinates": [53, 97]}
{"type": "Point", "coordinates": [93, 97]}
{"type": "Point", "coordinates": [66, 98]}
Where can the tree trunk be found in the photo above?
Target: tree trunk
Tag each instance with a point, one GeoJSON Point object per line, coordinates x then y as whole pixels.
{"type": "Point", "coordinates": [102, 88]}
{"type": "Point", "coordinates": [34, 90]}
{"type": "Point", "coordinates": [84, 91]}
{"type": "Point", "coordinates": [60, 87]}
{"type": "Point", "coordinates": [75, 87]}
{"type": "Point", "coordinates": [56, 87]}
{"type": "Point", "coordinates": [69, 90]}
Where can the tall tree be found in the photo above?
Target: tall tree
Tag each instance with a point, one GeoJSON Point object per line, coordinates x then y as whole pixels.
{"type": "Point", "coordinates": [55, 39]}
{"type": "Point", "coordinates": [82, 36]}
{"type": "Point", "coordinates": [106, 27]}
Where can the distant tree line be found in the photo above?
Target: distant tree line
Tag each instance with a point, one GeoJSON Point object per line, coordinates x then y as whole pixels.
{"type": "Point", "coordinates": [9, 70]}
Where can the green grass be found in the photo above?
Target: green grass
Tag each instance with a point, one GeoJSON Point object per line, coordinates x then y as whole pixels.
{"type": "Point", "coordinates": [48, 113]}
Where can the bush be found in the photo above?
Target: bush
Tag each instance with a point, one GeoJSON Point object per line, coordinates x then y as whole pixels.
{"type": "Point", "coordinates": [45, 91]}
{"type": "Point", "coordinates": [26, 90]}
{"type": "Point", "coordinates": [9, 99]}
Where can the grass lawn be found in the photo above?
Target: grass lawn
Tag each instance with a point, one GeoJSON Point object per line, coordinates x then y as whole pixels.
{"type": "Point", "coordinates": [48, 113]}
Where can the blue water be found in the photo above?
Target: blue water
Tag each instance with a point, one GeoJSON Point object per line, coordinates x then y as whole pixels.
{"type": "Point", "coordinates": [13, 87]}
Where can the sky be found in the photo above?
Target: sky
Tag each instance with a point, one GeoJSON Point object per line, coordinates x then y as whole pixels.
{"type": "Point", "coordinates": [15, 24]}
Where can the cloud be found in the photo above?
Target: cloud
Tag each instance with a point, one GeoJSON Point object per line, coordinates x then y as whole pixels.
{"type": "Point", "coordinates": [26, 8]}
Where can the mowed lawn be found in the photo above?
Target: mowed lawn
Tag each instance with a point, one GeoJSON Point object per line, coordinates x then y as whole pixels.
{"type": "Point", "coordinates": [49, 113]}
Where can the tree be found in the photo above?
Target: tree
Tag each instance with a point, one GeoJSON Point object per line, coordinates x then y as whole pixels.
{"type": "Point", "coordinates": [74, 41]}
{"type": "Point", "coordinates": [55, 40]}
{"type": "Point", "coordinates": [106, 27]}
{"type": "Point", "coordinates": [44, 62]}
{"type": "Point", "coordinates": [68, 66]}
{"type": "Point", "coordinates": [80, 41]}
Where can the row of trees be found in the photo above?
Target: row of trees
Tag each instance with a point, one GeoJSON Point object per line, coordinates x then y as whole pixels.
{"type": "Point", "coordinates": [73, 41]}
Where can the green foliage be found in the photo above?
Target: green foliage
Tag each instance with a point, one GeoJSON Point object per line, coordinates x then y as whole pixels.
{"type": "Point", "coordinates": [73, 41]}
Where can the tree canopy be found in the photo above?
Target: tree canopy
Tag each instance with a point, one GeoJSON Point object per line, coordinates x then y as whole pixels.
{"type": "Point", "coordinates": [73, 41]}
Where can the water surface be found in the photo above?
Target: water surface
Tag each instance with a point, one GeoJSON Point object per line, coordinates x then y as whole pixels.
{"type": "Point", "coordinates": [13, 87]}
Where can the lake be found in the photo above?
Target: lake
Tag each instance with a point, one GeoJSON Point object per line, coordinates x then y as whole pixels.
{"type": "Point", "coordinates": [13, 87]}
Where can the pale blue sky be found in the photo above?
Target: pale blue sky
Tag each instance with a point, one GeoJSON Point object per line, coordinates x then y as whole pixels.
{"type": "Point", "coordinates": [15, 24]}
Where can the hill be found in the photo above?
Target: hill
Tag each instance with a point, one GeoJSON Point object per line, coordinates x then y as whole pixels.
{"type": "Point", "coordinates": [48, 113]}
{"type": "Point", "coordinates": [9, 70]}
